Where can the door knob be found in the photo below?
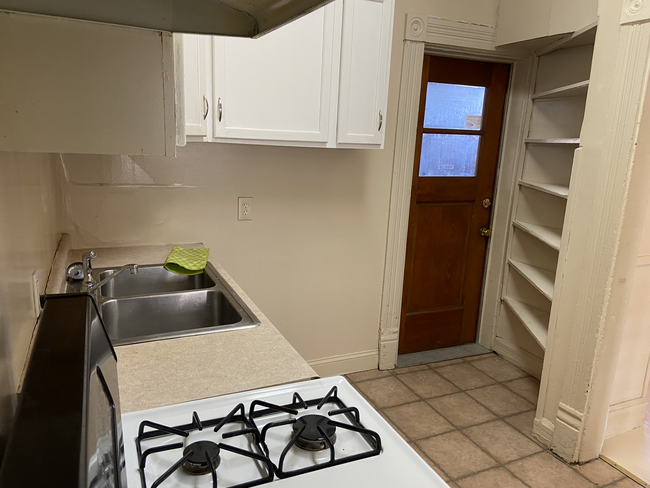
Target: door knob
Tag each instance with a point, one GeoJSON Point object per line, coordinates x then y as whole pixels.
{"type": "Point", "coordinates": [485, 232]}
{"type": "Point", "coordinates": [487, 203]}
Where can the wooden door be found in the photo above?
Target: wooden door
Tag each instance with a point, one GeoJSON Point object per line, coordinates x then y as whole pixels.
{"type": "Point", "coordinates": [459, 131]}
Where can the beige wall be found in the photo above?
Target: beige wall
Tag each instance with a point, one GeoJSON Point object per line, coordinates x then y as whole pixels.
{"type": "Point", "coordinates": [313, 256]}
{"type": "Point", "coordinates": [29, 233]}
{"type": "Point", "coordinates": [628, 401]}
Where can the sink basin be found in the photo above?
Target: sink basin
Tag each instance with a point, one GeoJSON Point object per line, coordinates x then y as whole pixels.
{"type": "Point", "coordinates": [139, 319]}
{"type": "Point", "coordinates": [156, 304]}
{"type": "Point", "coordinates": [150, 280]}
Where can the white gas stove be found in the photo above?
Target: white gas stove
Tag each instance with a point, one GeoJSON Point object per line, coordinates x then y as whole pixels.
{"type": "Point", "coordinates": [318, 433]}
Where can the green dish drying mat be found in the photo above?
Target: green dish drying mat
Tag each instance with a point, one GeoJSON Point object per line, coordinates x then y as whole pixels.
{"type": "Point", "coordinates": [187, 261]}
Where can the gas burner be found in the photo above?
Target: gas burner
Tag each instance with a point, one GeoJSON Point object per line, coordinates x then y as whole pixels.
{"type": "Point", "coordinates": [310, 437]}
{"type": "Point", "coordinates": [197, 462]}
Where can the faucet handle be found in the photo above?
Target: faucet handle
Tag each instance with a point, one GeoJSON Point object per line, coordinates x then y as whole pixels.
{"type": "Point", "coordinates": [89, 280]}
{"type": "Point", "coordinates": [89, 255]}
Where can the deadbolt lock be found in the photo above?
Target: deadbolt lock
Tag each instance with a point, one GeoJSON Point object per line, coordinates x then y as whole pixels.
{"type": "Point", "coordinates": [486, 203]}
{"type": "Point", "coordinates": [485, 232]}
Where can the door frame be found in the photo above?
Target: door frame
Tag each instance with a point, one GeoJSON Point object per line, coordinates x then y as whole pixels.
{"type": "Point", "coordinates": [425, 34]}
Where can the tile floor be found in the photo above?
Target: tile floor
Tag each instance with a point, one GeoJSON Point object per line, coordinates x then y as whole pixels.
{"type": "Point", "coordinates": [471, 420]}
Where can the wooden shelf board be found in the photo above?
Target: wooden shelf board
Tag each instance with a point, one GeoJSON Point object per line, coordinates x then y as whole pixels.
{"type": "Point", "coordinates": [535, 321]}
{"type": "Point", "coordinates": [549, 236]}
{"type": "Point", "coordinates": [569, 91]}
{"type": "Point", "coordinates": [557, 190]}
{"type": "Point", "coordinates": [569, 141]}
{"type": "Point", "coordinates": [542, 279]}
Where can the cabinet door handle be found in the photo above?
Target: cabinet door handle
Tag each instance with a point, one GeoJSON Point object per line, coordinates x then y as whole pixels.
{"type": "Point", "coordinates": [381, 121]}
{"type": "Point", "coordinates": [207, 107]}
{"type": "Point", "coordinates": [219, 110]}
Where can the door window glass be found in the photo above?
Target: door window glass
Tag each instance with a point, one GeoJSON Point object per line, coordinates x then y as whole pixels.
{"type": "Point", "coordinates": [448, 155]}
{"type": "Point", "coordinates": [451, 106]}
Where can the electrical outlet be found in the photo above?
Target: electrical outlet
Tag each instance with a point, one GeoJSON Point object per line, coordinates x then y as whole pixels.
{"type": "Point", "coordinates": [245, 211]}
{"type": "Point", "coordinates": [36, 299]}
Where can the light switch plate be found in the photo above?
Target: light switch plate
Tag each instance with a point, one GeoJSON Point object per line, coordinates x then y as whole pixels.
{"type": "Point", "coordinates": [245, 206]}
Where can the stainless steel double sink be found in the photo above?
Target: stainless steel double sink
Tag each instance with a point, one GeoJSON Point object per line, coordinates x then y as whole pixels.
{"type": "Point", "coordinates": [156, 304]}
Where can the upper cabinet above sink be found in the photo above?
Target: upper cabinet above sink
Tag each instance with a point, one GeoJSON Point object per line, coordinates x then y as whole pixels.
{"type": "Point", "coordinates": [71, 86]}
{"type": "Point", "coordinates": [321, 81]}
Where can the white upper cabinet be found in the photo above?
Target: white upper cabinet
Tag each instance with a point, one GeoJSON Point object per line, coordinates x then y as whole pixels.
{"type": "Point", "coordinates": [195, 67]}
{"type": "Point", "coordinates": [82, 87]}
{"type": "Point", "coordinates": [320, 81]}
{"type": "Point", "coordinates": [279, 87]}
{"type": "Point", "coordinates": [365, 58]}
{"type": "Point", "coordinates": [523, 20]}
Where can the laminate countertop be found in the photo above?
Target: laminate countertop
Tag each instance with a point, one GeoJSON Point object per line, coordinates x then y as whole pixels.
{"type": "Point", "coordinates": [157, 373]}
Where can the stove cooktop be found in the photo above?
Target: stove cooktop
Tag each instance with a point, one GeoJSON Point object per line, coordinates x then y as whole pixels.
{"type": "Point", "coordinates": [312, 434]}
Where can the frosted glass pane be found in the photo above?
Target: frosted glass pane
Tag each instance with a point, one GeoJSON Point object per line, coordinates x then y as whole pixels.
{"type": "Point", "coordinates": [453, 106]}
{"type": "Point", "coordinates": [448, 155]}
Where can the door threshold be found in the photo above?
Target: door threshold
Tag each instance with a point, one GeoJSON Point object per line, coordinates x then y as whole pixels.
{"type": "Point", "coordinates": [444, 354]}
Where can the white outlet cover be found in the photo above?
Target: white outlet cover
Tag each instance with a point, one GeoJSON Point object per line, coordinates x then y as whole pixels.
{"type": "Point", "coordinates": [245, 208]}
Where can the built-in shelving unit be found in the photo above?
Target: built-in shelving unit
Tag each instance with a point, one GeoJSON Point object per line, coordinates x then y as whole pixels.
{"type": "Point", "coordinates": [555, 114]}
{"type": "Point", "coordinates": [568, 91]}
{"type": "Point", "coordinates": [557, 190]}
{"type": "Point", "coordinates": [548, 235]}
{"type": "Point", "coordinates": [570, 141]}
{"type": "Point", "coordinates": [543, 280]}
{"type": "Point", "coordinates": [535, 321]}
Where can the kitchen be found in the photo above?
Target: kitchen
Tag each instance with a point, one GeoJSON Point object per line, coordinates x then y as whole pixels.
{"type": "Point", "coordinates": [319, 230]}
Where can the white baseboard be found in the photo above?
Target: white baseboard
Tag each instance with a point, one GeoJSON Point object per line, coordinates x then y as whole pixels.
{"type": "Point", "coordinates": [519, 357]}
{"type": "Point", "coordinates": [346, 363]}
{"type": "Point", "coordinates": [543, 431]}
{"type": "Point", "coordinates": [625, 416]}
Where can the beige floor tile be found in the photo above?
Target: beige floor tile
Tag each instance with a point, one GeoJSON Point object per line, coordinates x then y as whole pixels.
{"type": "Point", "coordinates": [387, 392]}
{"type": "Point", "coordinates": [452, 485]}
{"type": "Point", "coordinates": [545, 471]}
{"type": "Point", "coordinates": [371, 374]}
{"type": "Point", "coordinates": [527, 387]}
{"type": "Point", "coordinates": [431, 464]}
{"type": "Point", "coordinates": [599, 472]}
{"type": "Point", "coordinates": [626, 483]}
{"type": "Point", "coordinates": [502, 441]}
{"type": "Point", "coordinates": [461, 410]}
{"type": "Point", "coordinates": [411, 369]}
{"type": "Point", "coordinates": [464, 376]}
{"type": "Point", "coordinates": [481, 356]}
{"type": "Point", "coordinates": [523, 422]}
{"type": "Point", "coordinates": [448, 362]}
{"type": "Point", "coordinates": [428, 384]}
{"type": "Point", "coordinates": [500, 400]}
{"type": "Point", "coordinates": [499, 369]}
{"type": "Point", "coordinates": [493, 478]}
{"type": "Point", "coordinates": [456, 454]}
{"type": "Point", "coordinates": [418, 420]}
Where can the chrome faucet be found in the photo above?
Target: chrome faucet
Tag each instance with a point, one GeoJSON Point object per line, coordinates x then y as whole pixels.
{"type": "Point", "coordinates": [89, 280]}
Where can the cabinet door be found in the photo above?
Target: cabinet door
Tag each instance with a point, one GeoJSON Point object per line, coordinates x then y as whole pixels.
{"type": "Point", "coordinates": [521, 20]}
{"type": "Point", "coordinates": [365, 59]}
{"type": "Point", "coordinates": [194, 84]}
{"type": "Point", "coordinates": [83, 87]}
{"type": "Point", "coordinates": [279, 87]}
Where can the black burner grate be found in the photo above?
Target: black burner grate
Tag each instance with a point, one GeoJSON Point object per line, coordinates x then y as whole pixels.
{"type": "Point", "coordinates": [311, 432]}
{"type": "Point", "coordinates": [192, 453]}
